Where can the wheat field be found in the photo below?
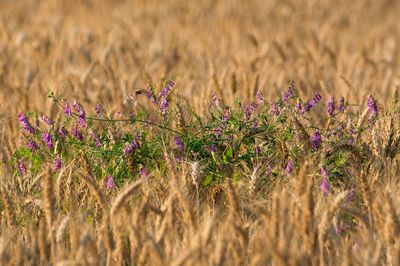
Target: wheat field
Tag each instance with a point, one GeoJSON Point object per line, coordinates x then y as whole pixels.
{"type": "Point", "coordinates": [211, 179]}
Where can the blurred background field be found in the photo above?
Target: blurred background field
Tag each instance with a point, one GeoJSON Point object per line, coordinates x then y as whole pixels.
{"type": "Point", "coordinates": [101, 51]}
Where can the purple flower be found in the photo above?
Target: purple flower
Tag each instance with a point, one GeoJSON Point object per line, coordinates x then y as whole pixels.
{"type": "Point", "coordinates": [178, 142]}
{"type": "Point", "coordinates": [77, 133]}
{"type": "Point", "coordinates": [258, 149]}
{"type": "Point", "coordinates": [275, 110]}
{"type": "Point", "coordinates": [67, 109]}
{"type": "Point", "coordinates": [48, 138]}
{"type": "Point", "coordinates": [111, 185]}
{"type": "Point", "coordinates": [331, 106]}
{"type": "Point", "coordinates": [373, 108]}
{"type": "Point", "coordinates": [260, 97]}
{"type": "Point", "coordinates": [343, 105]}
{"type": "Point", "coordinates": [289, 92]}
{"type": "Point", "coordinates": [97, 139]}
{"type": "Point", "coordinates": [217, 131]}
{"type": "Point", "coordinates": [130, 147]}
{"type": "Point", "coordinates": [178, 159]}
{"type": "Point", "coordinates": [216, 100]}
{"type": "Point", "coordinates": [58, 163]}
{"type": "Point", "coordinates": [25, 123]}
{"type": "Point", "coordinates": [82, 118]}
{"type": "Point", "coordinates": [22, 168]}
{"type": "Point", "coordinates": [150, 95]}
{"type": "Point", "coordinates": [99, 110]}
{"type": "Point", "coordinates": [147, 124]}
{"type": "Point", "coordinates": [48, 120]}
{"type": "Point", "coordinates": [76, 106]}
{"type": "Point", "coordinates": [138, 134]}
{"type": "Point", "coordinates": [317, 98]}
{"type": "Point", "coordinates": [227, 113]}
{"type": "Point", "coordinates": [143, 172]}
{"type": "Point", "coordinates": [307, 107]}
{"type": "Point", "coordinates": [290, 166]}
{"type": "Point", "coordinates": [62, 132]}
{"type": "Point", "coordinates": [255, 123]}
{"type": "Point", "coordinates": [317, 141]}
{"type": "Point", "coordinates": [248, 109]}
{"type": "Point", "coordinates": [164, 107]}
{"type": "Point", "coordinates": [32, 146]}
{"type": "Point", "coordinates": [325, 186]}
{"type": "Point", "coordinates": [166, 90]}
{"type": "Point", "coordinates": [211, 148]}
{"type": "Point", "coordinates": [324, 172]}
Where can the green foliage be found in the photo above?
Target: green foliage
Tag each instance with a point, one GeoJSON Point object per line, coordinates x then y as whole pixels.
{"type": "Point", "coordinates": [233, 137]}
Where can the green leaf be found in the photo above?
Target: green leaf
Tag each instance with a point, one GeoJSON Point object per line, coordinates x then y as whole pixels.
{"type": "Point", "coordinates": [228, 155]}
{"type": "Point", "coordinates": [208, 180]}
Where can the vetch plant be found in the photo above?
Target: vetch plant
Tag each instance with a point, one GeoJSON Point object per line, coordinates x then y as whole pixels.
{"type": "Point", "coordinates": [233, 137]}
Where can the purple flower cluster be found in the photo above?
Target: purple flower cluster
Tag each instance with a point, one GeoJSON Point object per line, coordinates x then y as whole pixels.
{"type": "Point", "coordinates": [307, 107]}
{"type": "Point", "coordinates": [48, 120]}
{"type": "Point", "coordinates": [67, 111]}
{"type": "Point", "coordinates": [325, 186]}
{"type": "Point", "coordinates": [48, 138]}
{"type": "Point", "coordinates": [353, 132]}
{"type": "Point", "coordinates": [151, 96]}
{"type": "Point", "coordinates": [25, 123]}
{"type": "Point", "coordinates": [111, 185]}
{"type": "Point", "coordinates": [216, 100]}
{"type": "Point", "coordinates": [97, 139]}
{"type": "Point", "coordinates": [57, 163]}
{"type": "Point", "coordinates": [260, 97]}
{"type": "Point", "coordinates": [77, 133]}
{"type": "Point", "coordinates": [373, 108]}
{"type": "Point", "coordinates": [211, 148]}
{"type": "Point", "coordinates": [82, 117]}
{"type": "Point", "coordinates": [217, 131]}
{"type": "Point", "coordinates": [331, 106]}
{"type": "Point", "coordinates": [131, 147]}
{"type": "Point", "coordinates": [164, 106]}
{"type": "Point", "coordinates": [227, 113]}
{"type": "Point", "coordinates": [179, 143]}
{"type": "Point", "coordinates": [290, 92]}
{"type": "Point", "coordinates": [99, 110]}
{"type": "Point", "coordinates": [258, 149]}
{"type": "Point", "coordinates": [32, 146]}
{"type": "Point", "coordinates": [290, 166]}
{"type": "Point", "coordinates": [22, 168]}
{"type": "Point", "coordinates": [324, 172]}
{"type": "Point", "coordinates": [143, 172]}
{"type": "Point", "coordinates": [343, 105]}
{"type": "Point", "coordinates": [317, 140]}
{"type": "Point", "coordinates": [249, 109]}
{"type": "Point", "coordinates": [166, 90]}
{"type": "Point", "coordinates": [275, 110]}
{"type": "Point", "coordinates": [62, 132]}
